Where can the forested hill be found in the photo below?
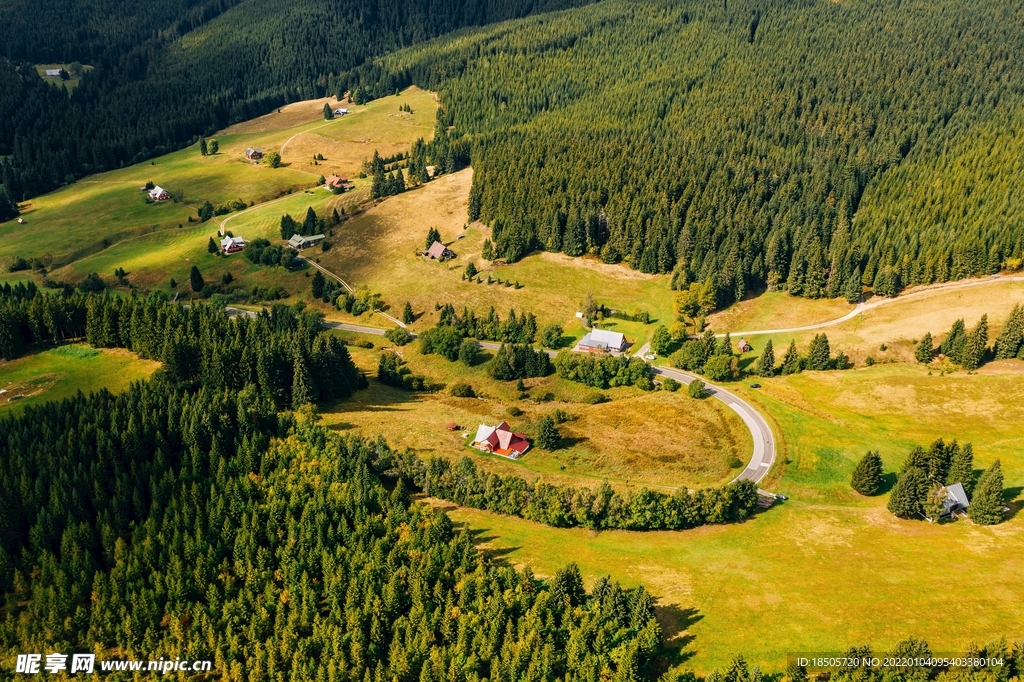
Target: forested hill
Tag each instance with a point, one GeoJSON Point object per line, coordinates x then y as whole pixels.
{"type": "Point", "coordinates": [744, 140]}
{"type": "Point", "coordinates": [161, 80]}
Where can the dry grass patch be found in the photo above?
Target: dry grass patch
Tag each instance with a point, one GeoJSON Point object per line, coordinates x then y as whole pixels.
{"type": "Point", "coordinates": [288, 116]}
{"type": "Point", "coordinates": [777, 310]}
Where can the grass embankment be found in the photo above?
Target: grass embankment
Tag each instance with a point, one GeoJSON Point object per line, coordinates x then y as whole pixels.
{"type": "Point", "coordinates": [381, 249]}
{"type": "Point", "coordinates": [826, 569]}
{"type": "Point", "coordinates": [61, 372]}
{"type": "Point", "coordinates": [104, 222]}
{"type": "Point", "coordinates": [658, 439]}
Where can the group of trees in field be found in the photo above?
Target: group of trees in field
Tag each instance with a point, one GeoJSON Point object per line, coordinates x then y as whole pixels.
{"type": "Point", "coordinates": [516, 328]}
{"type": "Point", "coordinates": [164, 78]}
{"type": "Point", "coordinates": [285, 355]}
{"type": "Point", "coordinates": [571, 506]}
{"type": "Point", "coordinates": [970, 349]}
{"type": "Point", "coordinates": [604, 371]}
{"type": "Point", "coordinates": [262, 252]}
{"type": "Point", "coordinates": [392, 371]}
{"type": "Point", "coordinates": [740, 158]}
{"type": "Point", "coordinates": [311, 224]}
{"type": "Point", "coordinates": [519, 361]}
{"type": "Point", "coordinates": [920, 489]}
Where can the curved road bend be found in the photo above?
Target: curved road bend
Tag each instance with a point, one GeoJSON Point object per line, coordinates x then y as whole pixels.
{"type": "Point", "coordinates": [761, 433]}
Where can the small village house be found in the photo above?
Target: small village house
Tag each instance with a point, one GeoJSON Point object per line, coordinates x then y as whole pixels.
{"type": "Point", "coordinates": [603, 341]}
{"type": "Point", "coordinates": [333, 182]}
{"type": "Point", "coordinates": [439, 251]}
{"type": "Point", "coordinates": [340, 111]}
{"type": "Point", "coordinates": [500, 440]}
{"type": "Point", "coordinates": [744, 346]}
{"type": "Point", "coordinates": [231, 245]}
{"type": "Point", "coordinates": [158, 193]}
{"type": "Point", "coordinates": [301, 242]}
{"type": "Point", "coordinates": [253, 155]}
{"type": "Point", "coordinates": [956, 500]}
{"type": "Point", "coordinates": [53, 73]}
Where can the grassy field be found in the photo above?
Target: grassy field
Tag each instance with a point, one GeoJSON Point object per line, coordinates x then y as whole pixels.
{"type": "Point", "coordinates": [900, 323]}
{"type": "Point", "coordinates": [109, 212]}
{"type": "Point", "coordinates": [70, 84]}
{"type": "Point", "coordinates": [828, 568]}
{"type": "Point", "coordinates": [381, 250]}
{"type": "Point", "coordinates": [777, 310]}
{"type": "Point", "coordinates": [61, 372]}
{"type": "Point", "coordinates": [698, 441]}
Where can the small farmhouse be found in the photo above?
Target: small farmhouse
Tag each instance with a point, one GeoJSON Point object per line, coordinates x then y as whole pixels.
{"type": "Point", "coordinates": [53, 73]}
{"type": "Point", "coordinates": [500, 440]}
{"type": "Point", "coordinates": [743, 346]}
{"type": "Point", "coordinates": [300, 242]}
{"type": "Point", "coordinates": [231, 245]}
{"type": "Point", "coordinates": [334, 182]}
{"type": "Point", "coordinates": [340, 111]}
{"type": "Point", "coordinates": [159, 194]}
{"type": "Point", "coordinates": [956, 499]}
{"type": "Point", "coordinates": [602, 340]}
{"type": "Point", "coordinates": [253, 154]}
{"type": "Point", "coordinates": [439, 251]}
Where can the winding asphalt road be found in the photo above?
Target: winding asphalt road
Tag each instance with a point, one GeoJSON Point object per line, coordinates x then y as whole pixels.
{"type": "Point", "coordinates": [764, 440]}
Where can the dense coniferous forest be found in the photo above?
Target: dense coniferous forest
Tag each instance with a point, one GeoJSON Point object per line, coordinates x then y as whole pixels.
{"type": "Point", "coordinates": [749, 143]}
{"type": "Point", "coordinates": [168, 74]}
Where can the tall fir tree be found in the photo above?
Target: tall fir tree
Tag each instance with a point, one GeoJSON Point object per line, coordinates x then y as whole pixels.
{"type": "Point", "coordinates": [195, 279]}
{"type": "Point", "coordinates": [986, 507]}
{"type": "Point", "coordinates": [766, 363]}
{"type": "Point", "coordinates": [819, 353]}
{"type": "Point", "coordinates": [976, 346]}
{"type": "Point", "coordinates": [792, 363]}
{"type": "Point", "coordinates": [867, 475]}
{"type": "Point", "coordinates": [203, 151]}
{"type": "Point", "coordinates": [1011, 338]}
{"type": "Point", "coordinates": [961, 468]}
{"type": "Point", "coordinates": [907, 498]}
{"type": "Point", "coordinates": [925, 349]}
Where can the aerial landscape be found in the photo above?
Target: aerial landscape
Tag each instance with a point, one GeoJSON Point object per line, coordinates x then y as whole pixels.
{"type": "Point", "coordinates": [543, 340]}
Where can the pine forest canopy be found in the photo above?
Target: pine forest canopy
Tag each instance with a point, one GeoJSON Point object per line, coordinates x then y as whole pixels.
{"type": "Point", "coordinates": [166, 74]}
{"type": "Point", "coordinates": [755, 142]}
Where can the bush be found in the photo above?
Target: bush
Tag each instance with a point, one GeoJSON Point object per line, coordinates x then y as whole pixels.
{"type": "Point", "coordinates": [697, 389]}
{"type": "Point", "coordinates": [595, 398]}
{"type": "Point", "coordinates": [551, 336]}
{"type": "Point", "coordinates": [689, 357]}
{"type": "Point", "coordinates": [670, 384]}
{"type": "Point", "coordinates": [92, 283]}
{"type": "Point", "coordinates": [398, 336]}
{"type": "Point", "coordinates": [469, 352]}
{"type": "Point", "coordinates": [722, 368]}
{"type": "Point", "coordinates": [461, 390]}
{"type": "Point", "coordinates": [514, 411]}
{"type": "Point", "coordinates": [445, 341]}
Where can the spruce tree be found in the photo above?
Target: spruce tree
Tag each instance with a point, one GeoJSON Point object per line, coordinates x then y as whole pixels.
{"type": "Point", "coordinates": [328, 112]}
{"type": "Point", "coordinates": [867, 475]}
{"type": "Point", "coordinates": [961, 468]}
{"type": "Point", "coordinates": [407, 315]}
{"type": "Point", "coordinates": [213, 147]}
{"type": "Point", "coordinates": [211, 246]}
{"type": "Point", "coordinates": [303, 392]}
{"type": "Point", "coordinates": [852, 288]}
{"type": "Point", "coordinates": [724, 345]}
{"type": "Point", "coordinates": [1011, 337]}
{"type": "Point", "coordinates": [766, 363]}
{"type": "Point", "coordinates": [195, 279]}
{"type": "Point", "coordinates": [986, 507]}
{"type": "Point", "coordinates": [791, 362]}
{"type": "Point", "coordinates": [953, 345]}
{"type": "Point", "coordinates": [433, 235]}
{"type": "Point", "coordinates": [976, 345]}
{"type": "Point", "coordinates": [548, 436]}
{"type": "Point", "coordinates": [925, 349]}
{"type": "Point", "coordinates": [309, 223]}
{"type": "Point", "coordinates": [819, 354]}
{"type": "Point", "coordinates": [907, 498]}
{"type": "Point", "coordinates": [202, 146]}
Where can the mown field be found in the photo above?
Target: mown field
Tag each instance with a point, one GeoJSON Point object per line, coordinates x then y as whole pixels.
{"type": "Point", "coordinates": [698, 443]}
{"type": "Point", "coordinates": [827, 568]}
{"type": "Point", "coordinates": [61, 372]}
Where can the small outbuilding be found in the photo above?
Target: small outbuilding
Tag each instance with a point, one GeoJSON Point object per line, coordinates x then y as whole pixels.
{"type": "Point", "coordinates": [158, 193]}
{"type": "Point", "coordinates": [53, 73]}
{"type": "Point", "coordinates": [231, 245]}
{"type": "Point", "coordinates": [744, 346]}
{"type": "Point", "coordinates": [451, 426]}
{"type": "Point", "coordinates": [253, 154]}
{"type": "Point", "coordinates": [439, 251]}
{"type": "Point", "coordinates": [301, 242]}
{"type": "Point", "coordinates": [956, 499]}
{"type": "Point", "coordinates": [340, 111]}
{"type": "Point", "coordinates": [603, 341]}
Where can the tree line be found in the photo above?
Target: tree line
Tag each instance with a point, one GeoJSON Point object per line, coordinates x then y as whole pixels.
{"type": "Point", "coordinates": [970, 349]}
{"type": "Point", "coordinates": [286, 355]}
{"type": "Point", "coordinates": [605, 371]}
{"type": "Point", "coordinates": [743, 163]}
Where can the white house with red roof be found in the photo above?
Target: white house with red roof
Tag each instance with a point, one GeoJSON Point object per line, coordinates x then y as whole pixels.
{"type": "Point", "coordinates": [500, 440]}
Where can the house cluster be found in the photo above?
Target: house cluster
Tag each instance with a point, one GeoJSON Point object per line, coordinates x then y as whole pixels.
{"type": "Point", "coordinates": [158, 193]}
{"type": "Point", "coordinates": [336, 182]}
{"type": "Point", "coordinates": [254, 154]}
{"type": "Point", "coordinates": [230, 245]}
{"type": "Point", "coordinates": [602, 341]}
{"type": "Point", "coordinates": [501, 440]}
{"type": "Point", "coordinates": [439, 252]}
{"type": "Point", "coordinates": [300, 242]}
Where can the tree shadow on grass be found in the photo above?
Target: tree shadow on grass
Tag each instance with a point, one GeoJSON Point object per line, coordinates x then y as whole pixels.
{"type": "Point", "coordinates": [675, 623]}
{"type": "Point", "coordinates": [888, 481]}
{"type": "Point", "coordinates": [1015, 505]}
{"type": "Point", "coordinates": [567, 442]}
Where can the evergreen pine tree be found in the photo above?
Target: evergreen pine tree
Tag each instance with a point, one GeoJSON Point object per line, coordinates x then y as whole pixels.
{"type": "Point", "coordinates": [211, 246]}
{"type": "Point", "coordinates": [953, 345]}
{"type": "Point", "coordinates": [213, 147]}
{"type": "Point", "coordinates": [407, 315]}
{"type": "Point", "coordinates": [1011, 338]}
{"type": "Point", "coordinates": [976, 345]}
{"type": "Point", "coordinates": [908, 495]}
{"type": "Point", "coordinates": [852, 288]}
{"type": "Point", "coordinates": [8, 207]}
{"type": "Point", "coordinates": [309, 223]}
{"type": "Point", "coordinates": [488, 250]}
{"type": "Point", "coordinates": [724, 345]}
{"type": "Point", "coordinates": [925, 349]}
{"type": "Point", "coordinates": [303, 392]}
{"type": "Point", "coordinates": [433, 235]}
{"type": "Point", "coordinates": [961, 468]}
{"type": "Point", "coordinates": [195, 279]}
{"type": "Point", "coordinates": [791, 362]}
{"type": "Point", "coordinates": [986, 507]}
{"type": "Point", "coordinates": [317, 284]}
{"type": "Point", "coordinates": [766, 363]}
{"type": "Point", "coordinates": [867, 475]}
{"type": "Point", "coordinates": [548, 436]}
{"type": "Point", "coordinates": [819, 354]}
{"type": "Point", "coordinates": [202, 146]}
{"type": "Point", "coordinates": [328, 112]}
